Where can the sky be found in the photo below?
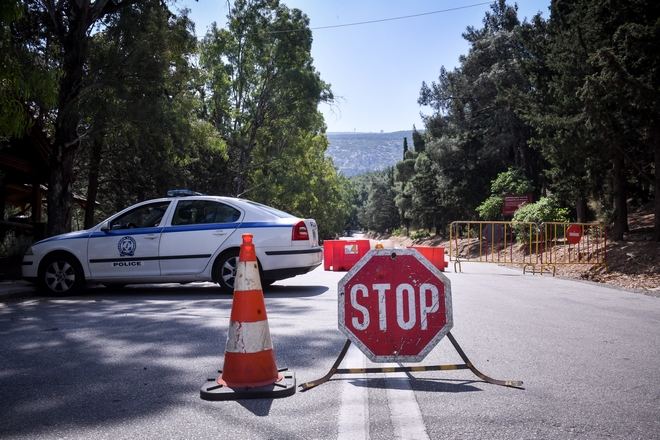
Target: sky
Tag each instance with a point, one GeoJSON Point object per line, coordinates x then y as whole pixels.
{"type": "Point", "coordinates": [376, 69]}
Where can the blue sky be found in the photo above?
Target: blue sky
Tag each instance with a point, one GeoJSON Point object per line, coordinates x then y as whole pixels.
{"type": "Point", "coordinates": [376, 69]}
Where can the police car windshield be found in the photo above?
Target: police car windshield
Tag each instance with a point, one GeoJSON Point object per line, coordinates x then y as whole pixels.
{"type": "Point", "coordinates": [272, 211]}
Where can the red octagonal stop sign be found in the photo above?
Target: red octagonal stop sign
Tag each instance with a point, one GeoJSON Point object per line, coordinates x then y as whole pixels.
{"type": "Point", "coordinates": [395, 305]}
{"type": "Point", "coordinates": [574, 234]}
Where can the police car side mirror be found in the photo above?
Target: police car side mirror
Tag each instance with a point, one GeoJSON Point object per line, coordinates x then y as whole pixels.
{"type": "Point", "coordinates": [105, 227]}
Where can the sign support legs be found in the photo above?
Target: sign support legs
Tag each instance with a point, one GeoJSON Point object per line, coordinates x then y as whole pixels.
{"type": "Point", "coordinates": [480, 375]}
{"type": "Point", "coordinates": [467, 366]}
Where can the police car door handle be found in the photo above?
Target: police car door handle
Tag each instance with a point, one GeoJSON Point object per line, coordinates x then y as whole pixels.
{"type": "Point", "coordinates": [219, 232]}
{"type": "Point", "coordinates": [150, 236]}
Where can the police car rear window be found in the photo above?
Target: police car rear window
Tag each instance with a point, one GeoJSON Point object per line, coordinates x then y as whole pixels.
{"type": "Point", "coordinates": [194, 212]}
{"type": "Point", "coordinates": [272, 211]}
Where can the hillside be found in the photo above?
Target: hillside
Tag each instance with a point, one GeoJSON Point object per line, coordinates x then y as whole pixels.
{"type": "Point", "coordinates": [358, 153]}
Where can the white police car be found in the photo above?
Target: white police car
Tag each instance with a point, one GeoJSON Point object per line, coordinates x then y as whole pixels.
{"type": "Point", "coordinates": [183, 238]}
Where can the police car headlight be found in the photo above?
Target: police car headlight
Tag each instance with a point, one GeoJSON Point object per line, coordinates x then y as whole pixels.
{"type": "Point", "coordinates": [29, 251]}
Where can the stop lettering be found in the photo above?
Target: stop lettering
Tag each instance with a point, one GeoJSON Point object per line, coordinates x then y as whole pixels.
{"type": "Point", "coordinates": [395, 305]}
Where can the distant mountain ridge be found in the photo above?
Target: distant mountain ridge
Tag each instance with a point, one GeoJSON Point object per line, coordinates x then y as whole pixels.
{"type": "Point", "coordinates": [358, 153]}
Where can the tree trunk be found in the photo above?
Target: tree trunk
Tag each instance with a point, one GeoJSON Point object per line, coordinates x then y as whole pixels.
{"type": "Point", "coordinates": [619, 187]}
{"type": "Point", "coordinates": [582, 210]}
{"type": "Point", "coordinates": [93, 183]}
{"type": "Point", "coordinates": [60, 190]}
{"type": "Point", "coordinates": [656, 189]}
{"type": "Point", "coordinates": [67, 142]}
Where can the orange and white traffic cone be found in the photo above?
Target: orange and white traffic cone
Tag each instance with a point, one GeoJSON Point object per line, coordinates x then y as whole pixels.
{"type": "Point", "coordinates": [249, 369]}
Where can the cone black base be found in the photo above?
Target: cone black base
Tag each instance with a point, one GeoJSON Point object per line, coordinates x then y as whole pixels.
{"type": "Point", "coordinates": [212, 390]}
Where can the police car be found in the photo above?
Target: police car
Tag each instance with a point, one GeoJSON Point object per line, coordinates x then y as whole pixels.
{"type": "Point", "coordinates": [183, 238]}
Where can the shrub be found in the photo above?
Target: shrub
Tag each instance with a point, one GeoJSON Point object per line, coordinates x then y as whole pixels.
{"type": "Point", "coordinates": [491, 208]}
{"type": "Point", "coordinates": [545, 210]}
{"type": "Point", "coordinates": [14, 246]}
{"type": "Point", "coordinates": [512, 181]}
{"type": "Point", "coordinates": [417, 235]}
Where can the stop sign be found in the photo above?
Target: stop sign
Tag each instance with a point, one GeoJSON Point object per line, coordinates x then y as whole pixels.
{"type": "Point", "coordinates": [395, 305]}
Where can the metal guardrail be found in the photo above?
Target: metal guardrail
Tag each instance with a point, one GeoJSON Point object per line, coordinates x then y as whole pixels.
{"type": "Point", "coordinates": [528, 244]}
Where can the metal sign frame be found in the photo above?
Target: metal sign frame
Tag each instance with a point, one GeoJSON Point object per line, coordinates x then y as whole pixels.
{"type": "Point", "coordinates": [394, 254]}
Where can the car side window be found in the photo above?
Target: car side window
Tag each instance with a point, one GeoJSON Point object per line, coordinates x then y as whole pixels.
{"type": "Point", "coordinates": [194, 212]}
{"type": "Point", "coordinates": [145, 216]}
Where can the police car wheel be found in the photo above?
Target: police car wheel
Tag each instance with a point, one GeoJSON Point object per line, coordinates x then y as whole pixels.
{"type": "Point", "coordinates": [224, 270]}
{"type": "Point", "coordinates": [61, 275]}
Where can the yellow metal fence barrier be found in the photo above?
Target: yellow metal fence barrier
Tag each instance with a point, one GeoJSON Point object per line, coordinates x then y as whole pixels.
{"type": "Point", "coordinates": [528, 244]}
{"type": "Point", "coordinates": [573, 243]}
{"type": "Point", "coordinates": [494, 242]}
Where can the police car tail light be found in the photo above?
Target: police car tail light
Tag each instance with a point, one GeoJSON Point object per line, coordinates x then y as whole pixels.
{"type": "Point", "coordinates": [300, 231]}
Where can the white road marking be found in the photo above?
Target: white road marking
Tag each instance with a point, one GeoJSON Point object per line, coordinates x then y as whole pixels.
{"type": "Point", "coordinates": [405, 415]}
{"type": "Point", "coordinates": [354, 410]}
{"type": "Point", "coordinates": [406, 418]}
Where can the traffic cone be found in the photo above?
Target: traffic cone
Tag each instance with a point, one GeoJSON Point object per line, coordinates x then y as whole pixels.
{"type": "Point", "coordinates": [249, 369]}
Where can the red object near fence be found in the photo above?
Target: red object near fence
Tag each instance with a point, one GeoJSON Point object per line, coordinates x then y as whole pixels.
{"type": "Point", "coordinates": [341, 255]}
{"type": "Point", "coordinates": [436, 255]}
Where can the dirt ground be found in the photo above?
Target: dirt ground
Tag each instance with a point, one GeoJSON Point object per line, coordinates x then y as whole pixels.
{"type": "Point", "coordinates": [632, 264]}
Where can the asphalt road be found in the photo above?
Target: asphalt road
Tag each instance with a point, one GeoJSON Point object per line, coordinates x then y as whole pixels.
{"type": "Point", "coordinates": [129, 364]}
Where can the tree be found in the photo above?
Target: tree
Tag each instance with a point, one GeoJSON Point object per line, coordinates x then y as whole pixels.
{"type": "Point", "coordinates": [304, 182]}
{"type": "Point", "coordinates": [594, 98]}
{"type": "Point", "coordinates": [144, 136]}
{"type": "Point", "coordinates": [405, 171]}
{"type": "Point", "coordinates": [547, 209]}
{"type": "Point", "coordinates": [26, 85]}
{"type": "Point", "coordinates": [361, 185]}
{"type": "Point", "coordinates": [57, 34]}
{"type": "Point", "coordinates": [474, 132]}
{"type": "Point", "coordinates": [380, 213]}
{"type": "Point", "coordinates": [262, 87]}
{"type": "Point", "coordinates": [427, 208]}
{"type": "Point", "coordinates": [623, 97]}
{"type": "Point", "coordinates": [418, 141]}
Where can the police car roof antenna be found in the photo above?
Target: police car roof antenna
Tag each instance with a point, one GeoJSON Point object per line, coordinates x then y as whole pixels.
{"type": "Point", "coordinates": [249, 189]}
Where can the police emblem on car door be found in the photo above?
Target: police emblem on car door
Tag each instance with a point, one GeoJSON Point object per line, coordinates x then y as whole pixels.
{"type": "Point", "coordinates": [128, 247]}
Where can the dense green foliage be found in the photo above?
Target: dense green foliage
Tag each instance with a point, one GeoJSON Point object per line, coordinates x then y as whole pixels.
{"type": "Point", "coordinates": [375, 197]}
{"type": "Point", "coordinates": [511, 182]}
{"type": "Point", "coordinates": [262, 90]}
{"type": "Point", "coordinates": [142, 106]}
{"type": "Point", "coordinates": [25, 83]}
{"type": "Point", "coordinates": [143, 133]}
{"type": "Point", "coordinates": [547, 209]}
{"type": "Point", "coordinates": [567, 106]}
